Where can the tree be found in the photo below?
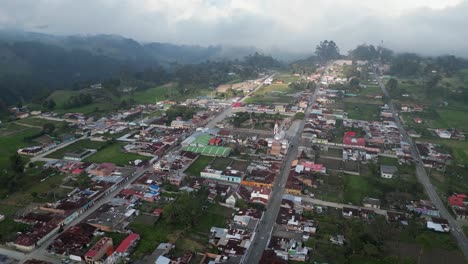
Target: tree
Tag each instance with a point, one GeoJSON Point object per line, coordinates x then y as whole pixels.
{"type": "Point", "coordinates": [354, 82]}
{"type": "Point", "coordinates": [364, 52]}
{"type": "Point", "coordinates": [392, 87]}
{"type": "Point", "coordinates": [406, 64]}
{"type": "Point", "coordinates": [48, 128]}
{"type": "Point", "coordinates": [327, 50]}
{"type": "Point", "coordinates": [17, 163]}
{"type": "Point", "coordinates": [184, 211]}
{"type": "Point", "coordinates": [48, 104]}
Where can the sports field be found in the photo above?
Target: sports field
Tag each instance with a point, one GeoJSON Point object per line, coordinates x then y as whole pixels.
{"type": "Point", "coordinates": [210, 150]}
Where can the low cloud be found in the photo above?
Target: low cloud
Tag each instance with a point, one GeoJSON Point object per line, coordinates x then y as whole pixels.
{"type": "Point", "coordinates": [425, 26]}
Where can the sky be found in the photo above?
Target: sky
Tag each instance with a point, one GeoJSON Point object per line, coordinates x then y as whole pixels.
{"type": "Point", "coordinates": [429, 27]}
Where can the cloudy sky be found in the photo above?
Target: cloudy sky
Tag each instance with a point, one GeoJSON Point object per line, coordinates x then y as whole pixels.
{"type": "Point", "coordinates": [425, 26]}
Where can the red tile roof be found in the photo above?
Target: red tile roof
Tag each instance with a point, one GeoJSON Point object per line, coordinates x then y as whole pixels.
{"type": "Point", "coordinates": [127, 242]}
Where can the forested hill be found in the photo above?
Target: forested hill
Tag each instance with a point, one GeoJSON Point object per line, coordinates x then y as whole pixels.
{"type": "Point", "coordinates": [32, 64]}
{"type": "Point", "coordinates": [121, 48]}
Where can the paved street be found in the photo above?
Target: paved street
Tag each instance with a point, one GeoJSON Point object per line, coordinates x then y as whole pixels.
{"type": "Point", "coordinates": [265, 228]}
{"type": "Point", "coordinates": [423, 178]}
{"type": "Point", "coordinates": [228, 111]}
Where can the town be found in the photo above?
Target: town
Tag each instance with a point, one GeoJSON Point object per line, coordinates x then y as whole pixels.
{"type": "Point", "coordinates": [293, 167]}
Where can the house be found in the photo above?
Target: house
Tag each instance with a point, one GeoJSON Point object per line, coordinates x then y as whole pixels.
{"type": "Point", "coordinates": [350, 212]}
{"type": "Point", "coordinates": [78, 155]}
{"type": "Point", "coordinates": [414, 134]}
{"type": "Point", "coordinates": [438, 225]}
{"type": "Point", "coordinates": [388, 171]}
{"type": "Point", "coordinates": [337, 240]}
{"type": "Point", "coordinates": [104, 169]}
{"type": "Point", "coordinates": [231, 201]}
{"type": "Point", "coordinates": [371, 203]}
{"type": "Point", "coordinates": [260, 192]}
{"type": "Point", "coordinates": [180, 124]}
{"type": "Point", "coordinates": [417, 120]}
{"type": "Point", "coordinates": [129, 242]}
{"type": "Point", "coordinates": [350, 140]}
{"type": "Point", "coordinates": [442, 133]}
{"type": "Point", "coordinates": [458, 200]}
{"type": "Point", "coordinates": [423, 207]}
{"type": "Point", "coordinates": [280, 108]}
{"type": "Point", "coordinates": [98, 250]}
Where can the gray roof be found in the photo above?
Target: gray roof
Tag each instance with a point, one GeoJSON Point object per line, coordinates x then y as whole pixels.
{"type": "Point", "coordinates": [388, 169]}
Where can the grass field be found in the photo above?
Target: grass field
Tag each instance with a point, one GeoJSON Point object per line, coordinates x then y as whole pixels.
{"type": "Point", "coordinates": [274, 93]}
{"type": "Point", "coordinates": [77, 146]}
{"type": "Point", "coordinates": [12, 138]}
{"type": "Point", "coordinates": [60, 127]}
{"type": "Point", "coordinates": [368, 112]}
{"type": "Point", "coordinates": [153, 95]}
{"type": "Point", "coordinates": [116, 155]}
{"type": "Point", "coordinates": [221, 163]}
{"type": "Point", "coordinates": [459, 148]}
{"type": "Point", "coordinates": [198, 165]}
{"type": "Point", "coordinates": [356, 188]}
{"type": "Point", "coordinates": [287, 78]}
{"type": "Point", "coordinates": [165, 92]}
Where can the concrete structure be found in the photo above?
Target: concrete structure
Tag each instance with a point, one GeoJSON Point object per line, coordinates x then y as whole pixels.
{"type": "Point", "coordinates": [98, 250]}
{"type": "Point", "coordinates": [387, 171]}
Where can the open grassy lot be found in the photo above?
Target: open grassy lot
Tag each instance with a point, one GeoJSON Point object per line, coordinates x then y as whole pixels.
{"type": "Point", "coordinates": [390, 191]}
{"type": "Point", "coordinates": [42, 188]}
{"type": "Point", "coordinates": [77, 146]}
{"type": "Point", "coordinates": [221, 163]}
{"type": "Point", "coordinates": [198, 165]}
{"type": "Point", "coordinates": [60, 127]}
{"type": "Point", "coordinates": [356, 188]}
{"type": "Point", "coordinates": [165, 92]}
{"type": "Point", "coordinates": [12, 137]}
{"type": "Point", "coordinates": [390, 242]}
{"type": "Point", "coordinates": [459, 149]}
{"type": "Point", "coordinates": [153, 95]}
{"type": "Point", "coordinates": [451, 118]}
{"type": "Point", "coordinates": [368, 112]}
{"type": "Point", "coordinates": [274, 93]}
{"type": "Point", "coordinates": [287, 78]}
{"type": "Point", "coordinates": [115, 154]}
{"type": "Point", "coordinates": [194, 239]}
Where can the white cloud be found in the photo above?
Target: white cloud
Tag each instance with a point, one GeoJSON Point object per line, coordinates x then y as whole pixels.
{"type": "Point", "coordinates": [420, 25]}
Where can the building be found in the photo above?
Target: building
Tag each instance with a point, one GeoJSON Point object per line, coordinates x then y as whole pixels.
{"type": "Point", "coordinates": [77, 156]}
{"type": "Point", "coordinates": [103, 169]}
{"type": "Point", "coordinates": [442, 133]}
{"type": "Point", "coordinates": [180, 124]}
{"type": "Point", "coordinates": [129, 242]}
{"type": "Point", "coordinates": [417, 120]}
{"type": "Point", "coordinates": [260, 195]}
{"type": "Point", "coordinates": [98, 251]}
{"type": "Point", "coordinates": [387, 171]}
{"type": "Point", "coordinates": [226, 175]}
{"type": "Point", "coordinates": [371, 203]}
{"type": "Point", "coordinates": [458, 200]}
{"type": "Point", "coordinates": [438, 225]}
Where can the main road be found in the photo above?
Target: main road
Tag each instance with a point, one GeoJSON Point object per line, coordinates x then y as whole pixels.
{"type": "Point", "coordinates": [228, 110]}
{"type": "Point", "coordinates": [267, 223]}
{"type": "Point", "coordinates": [423, 178]}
